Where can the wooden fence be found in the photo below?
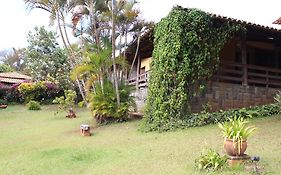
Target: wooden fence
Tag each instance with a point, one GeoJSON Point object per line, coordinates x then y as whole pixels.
{"type": "Point", "coordinates": [256, 75]}
{"type": "Point", "coordinates": [231, 72]}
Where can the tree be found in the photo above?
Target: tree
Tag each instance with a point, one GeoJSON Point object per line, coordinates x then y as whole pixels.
{"type": "Point", "coordinates": [45, 60]}
{"type": "Point", "coordinates": [5, 68]}
{"type": "Point", "coordinates": [58, 10]}
{"type": "Point", "coordinates": [14, 58]}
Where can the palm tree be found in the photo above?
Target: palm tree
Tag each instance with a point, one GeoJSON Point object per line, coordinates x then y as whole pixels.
{"type": "Point", "coordinates": [95, 67]}
{"type": "Point", "coordinates": [93, 9]}
{"type": "Point", "coordinates": [113, 54]}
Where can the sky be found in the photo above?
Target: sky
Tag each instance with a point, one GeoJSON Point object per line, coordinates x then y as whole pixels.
{"type": "Point", "coordinates": [17, 21]}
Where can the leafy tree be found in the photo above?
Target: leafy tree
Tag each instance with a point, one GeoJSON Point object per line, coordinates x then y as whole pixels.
{"type": "Point", "coordinates": [14, 58]}
{"type": "Point", "coordinates": [58, 10]}
{"type": "Point", "coordinates": [45, 60]}
{"type": "Point", "coordinates": [5, 68]}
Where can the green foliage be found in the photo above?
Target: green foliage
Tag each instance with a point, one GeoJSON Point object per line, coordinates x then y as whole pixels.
{"type": "Point", "coordinates": [103, 102]}
{"type": "Point", "coordinates": [236, 129]}
{"type": "Point", "coordinates": [186, 53]}
{"type": "Point", "coordinates": [10, 93]}
{"type": "Point", "coordinates": [3, 102]}
{"type": "Point", "coordinates": [211, 161]}
{"type": "Point", "coordinates": [67, 101]}
{"type": "Point", "coordinates": [205, 118]}
{"type": "Point", "coordinates": [39, 91]}
{"type": "Point", "coordinates": [45, 60]}
{"type": "Point", "coordinates": [5, 68]}
{"type": "Point", "coordinates": [32, 91]}
{"type": "Point", "coordinates": [277, 98]}
{"type": "Point", "coordinates": [33, 105]}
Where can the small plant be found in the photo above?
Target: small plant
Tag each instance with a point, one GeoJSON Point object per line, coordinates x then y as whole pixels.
{"type": "Point", "coordinates": [3, 102]}
{"type": "Point", "coordinates": [33, 105]}
{"type": "Point", "coordinates": [237, 131]}
{"type": "Point", "coordinates": [277, 98]}
{"type": "Point", "coordinates": [103, 103]}
{"type": "Point", "coordinates": [66, 103]}
{"type": "Point", "coordinates": [211, 161]}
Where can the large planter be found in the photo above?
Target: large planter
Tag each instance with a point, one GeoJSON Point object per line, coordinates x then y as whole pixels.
{"type": "Point", "coordinates": [235, 148]}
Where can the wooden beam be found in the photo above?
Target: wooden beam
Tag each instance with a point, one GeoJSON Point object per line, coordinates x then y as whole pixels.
{"type": "Point", "coordinates": [138, 73]}
{"type": "Point", "coordinates": [244, 61]}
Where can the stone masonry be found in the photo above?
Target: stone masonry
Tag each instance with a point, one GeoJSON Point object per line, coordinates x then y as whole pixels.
{"type": "Point", "coordinates": [222, 96]}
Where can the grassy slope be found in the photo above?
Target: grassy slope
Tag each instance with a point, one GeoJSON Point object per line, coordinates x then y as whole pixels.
{"type": "Point", "coordinates": [37, 142]}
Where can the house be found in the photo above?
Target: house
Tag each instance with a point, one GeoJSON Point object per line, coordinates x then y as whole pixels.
{"type": "Point", "coordinates": [249, 73]}
{"type": "Point", "coordinates": [11, 78]}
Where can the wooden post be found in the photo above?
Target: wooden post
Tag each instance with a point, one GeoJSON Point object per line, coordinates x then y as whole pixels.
{"type": "Point", "coordinates": [266, 79]}
{"type": "Point", "coordinates": [244, 61]}
{"type": "Point", "coordinates": [138, 73]}
{"type": "Point", "coordinates": [276, 57]}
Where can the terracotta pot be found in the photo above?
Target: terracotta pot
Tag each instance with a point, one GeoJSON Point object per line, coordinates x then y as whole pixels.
{"type": "Point", "coordinates": [232, 148]}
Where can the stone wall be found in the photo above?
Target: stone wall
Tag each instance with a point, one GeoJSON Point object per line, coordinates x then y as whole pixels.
{"type": "Point", "coordinates": [226, 96]}
{"type": "Point", "coordinates": [222, 96]}
{"type": "Point", "coordinates": [140, 98]}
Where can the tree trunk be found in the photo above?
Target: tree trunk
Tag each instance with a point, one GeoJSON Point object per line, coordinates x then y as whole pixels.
{"type": "Point", "coordinates": [72, 61]}
{"type": "Point", "coordinates": [125, 46]}
{"type": "Point", "coordinates": [136, 54]}
{"type": "Point", "coordinates": [113, 55]}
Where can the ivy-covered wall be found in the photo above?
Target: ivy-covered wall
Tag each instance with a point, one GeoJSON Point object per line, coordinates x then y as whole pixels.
{"type": "Point", "coordinates": [186, 53]}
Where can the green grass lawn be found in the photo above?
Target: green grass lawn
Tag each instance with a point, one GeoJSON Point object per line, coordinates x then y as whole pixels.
{"type": "Point", "coordinates": [37, 142]}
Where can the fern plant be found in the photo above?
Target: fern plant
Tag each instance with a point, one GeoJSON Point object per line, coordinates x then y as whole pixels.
{"type": "Point", "coordinates": [103, 102]}
{"type": "Point", "coordinates": [211, 161]}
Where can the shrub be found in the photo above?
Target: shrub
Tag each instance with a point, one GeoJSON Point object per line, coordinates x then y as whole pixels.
{"type": "Point", "coordinates": [33, 105]}
{"type": "Point", "coordinates": [103, 103]}
{"type": "Point", "coordinates": [32, 91]}
{"type": "Point", "coordinates": [66, 103]}
{"type": "Point", "coordinates": [186, 50]}
{"type": "Point", "coordinates": [40, 91]}
{"type": "Point", "coordinates": [3, 102]}
{"type": "Point", "coordinates": [10, 93]}
{"type": "Point", "coordinates": [205, 118]}
{"type": "Point", "coordinates": [211, 161]}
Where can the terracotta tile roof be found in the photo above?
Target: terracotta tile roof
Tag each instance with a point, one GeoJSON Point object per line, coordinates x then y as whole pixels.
{"type": "Point", "coordinates": [11, 80]}
{"type": "Point", "coordinates": [225, 18]}
{"type": "Point", "coordinates": [278, 21]}
{"type": "Point", "coordinates": [13, 77]}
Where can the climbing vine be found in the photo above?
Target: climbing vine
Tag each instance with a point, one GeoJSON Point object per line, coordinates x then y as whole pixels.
{"type": "Point", "coordinates": [186, 53]}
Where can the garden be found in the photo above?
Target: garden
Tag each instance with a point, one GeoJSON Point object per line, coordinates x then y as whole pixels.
{"type": "Point", "coordinates": [39, 142]}
{"type": "Point", "coordinates": [84, 87]}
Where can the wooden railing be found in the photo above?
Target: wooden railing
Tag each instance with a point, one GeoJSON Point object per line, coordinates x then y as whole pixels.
{"type": "Point", "coordinates": [140, 81]}
{"type": "Point", "coordinates": [231, 72]}
{"type": "Point", "coordinates": [256, 75]}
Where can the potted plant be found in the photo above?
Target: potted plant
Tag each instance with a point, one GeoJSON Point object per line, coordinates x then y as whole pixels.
{"type": "Point", "coordinates": [236, 133]}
